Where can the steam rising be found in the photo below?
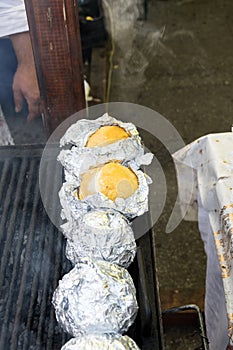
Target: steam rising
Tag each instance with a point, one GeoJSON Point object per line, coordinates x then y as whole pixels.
{"type": "Point", "coordinates": [133, 42]}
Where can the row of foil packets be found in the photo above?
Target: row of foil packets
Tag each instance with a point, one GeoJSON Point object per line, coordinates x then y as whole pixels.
{"type": "Point", "coordinates": [96, 301]}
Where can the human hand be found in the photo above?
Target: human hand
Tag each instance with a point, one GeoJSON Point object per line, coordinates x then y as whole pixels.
{"type": "Point", "coordinates": [25, 84]}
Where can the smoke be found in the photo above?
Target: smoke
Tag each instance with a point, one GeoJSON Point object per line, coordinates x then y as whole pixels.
{"type": "Point", "coordinates": [133, 42]}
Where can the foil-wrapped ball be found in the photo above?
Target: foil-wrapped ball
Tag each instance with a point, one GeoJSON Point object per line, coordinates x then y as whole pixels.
{"type": "Point", "coordinates": [100, 234]}
{"type": "Point", "coordinates": [95, 297]}
{"type": "Point", "coordinates": [85, 131]}
{"type": "Point", "coordinates": [131, 207]}
{"type": "Point", "coordinates": [101, 342]}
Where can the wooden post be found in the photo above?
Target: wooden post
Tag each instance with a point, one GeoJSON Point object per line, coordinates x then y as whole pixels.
{"type": "Point", "coordinates": [56, 42]}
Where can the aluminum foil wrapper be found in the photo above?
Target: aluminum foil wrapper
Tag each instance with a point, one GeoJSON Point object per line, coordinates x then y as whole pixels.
{"type": "Point", "coordinates": [133, 206]}
{"type": "Point", "coordinates": [77, 162]}
{"type": "Point", "coordinates": [95, 297]}
{"type": "Point", "coordinates": [79, 158]}
{"type": "Point", "coordinates": [79, 132]}
{"type": "Point", "coordinates": [105, 235]}
{"type": "Point", "coordinates": [101, 342]}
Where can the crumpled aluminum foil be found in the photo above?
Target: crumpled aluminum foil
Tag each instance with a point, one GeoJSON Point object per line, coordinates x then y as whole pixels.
{"type": "Point", "coordinates": [79, 158]}
{"type": "Point", "coordinates": [99, 234]}
{"type": "Point", "coordinates": [79, 132]}
{"type": "Point", "coordinates": [77, 162]}
{"type": "Point", "coordinates": [101, 342]}
{"type": "Point", "coordinates": [95, 297]}
{"type": "Point", "coordinates": [133, 206]}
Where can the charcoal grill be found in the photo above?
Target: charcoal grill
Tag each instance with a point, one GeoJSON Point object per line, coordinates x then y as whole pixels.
{"type": "Point", "coordinates": [32, 253]}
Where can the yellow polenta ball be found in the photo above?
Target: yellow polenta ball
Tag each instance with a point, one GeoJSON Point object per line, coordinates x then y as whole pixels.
{"type": "Point", "coordinates": [106, 135]}
{"type": "Point", "coordinates": [112, 179]}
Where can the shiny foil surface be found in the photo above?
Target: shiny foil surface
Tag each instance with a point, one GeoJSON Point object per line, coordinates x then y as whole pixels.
{"type": "Point", "coordinates": [95, 297]}
{"type": "Point", "coordinates": [133, 206]}
{"type": "Point", "coordinates": [101, 342]}
{"type": "Point", "coordinates": [128, 152]}
{"type": "Point", "coordinates": [79, 132]}
{"type": "Point", "coordinates": [105, 235]}
{"type": "Point", "coordinates": [79, 159]}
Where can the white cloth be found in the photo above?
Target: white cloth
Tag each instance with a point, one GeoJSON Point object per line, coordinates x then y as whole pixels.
{"type": "Point", "coordinates": [13, 18]}
{"type": "Point", "coordinates": [210, 159]}
{"type": "Point", "coordinates": [215, 304]}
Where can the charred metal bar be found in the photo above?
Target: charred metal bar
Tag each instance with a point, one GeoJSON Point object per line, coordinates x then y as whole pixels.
{"type": "Point", "coordinates": [55, 36]}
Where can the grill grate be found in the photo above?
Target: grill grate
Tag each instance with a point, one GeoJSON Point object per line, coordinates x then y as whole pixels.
{"type": "Point", "coordinates": [33, 260]}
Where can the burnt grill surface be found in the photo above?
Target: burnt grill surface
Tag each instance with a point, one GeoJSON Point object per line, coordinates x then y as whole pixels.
{"type": "Point", "coordinates": [33, 260]}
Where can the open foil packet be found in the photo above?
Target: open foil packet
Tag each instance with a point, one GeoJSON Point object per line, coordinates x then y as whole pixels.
{"type": "Point", "coordinates": [135, 205]}
{"type": "Point", "coordinates": [99, 234]}
{"type": "Point", "coordinates": [79, 158]}
{"type": "Point", "coordinates": [101, 342]}
{"type": "Point", "coordinates": [79, 132]}
{"type": "Point", "coordinates": [95, 297]}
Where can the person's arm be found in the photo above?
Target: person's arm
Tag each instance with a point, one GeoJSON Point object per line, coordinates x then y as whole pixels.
{"type": "Point", "coordinates": [25, 83]}
{"type": "Point", "coordinates": [13, 24]}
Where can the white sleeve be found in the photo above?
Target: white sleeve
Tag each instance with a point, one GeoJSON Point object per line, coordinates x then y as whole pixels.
{"type": "Point", "coordinates": [13, 18]}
